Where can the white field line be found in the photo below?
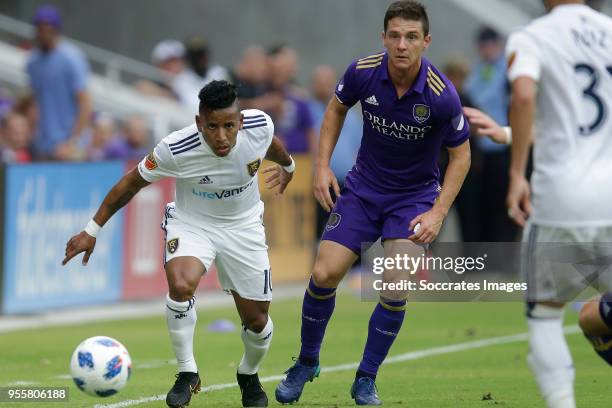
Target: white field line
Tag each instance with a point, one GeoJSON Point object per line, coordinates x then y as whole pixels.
{"type": "Point", "coordinates": [22, 383]}
{"type": "Point", "coordinates": [129, 310]}
{"type": "Point", "coordinates": [413, 355]}
{"type": "Point", "coordinates": [137, 366]}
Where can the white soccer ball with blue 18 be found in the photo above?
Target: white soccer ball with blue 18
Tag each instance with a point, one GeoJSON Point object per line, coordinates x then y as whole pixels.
{"type": "Point", "coordinates": [100, 366]}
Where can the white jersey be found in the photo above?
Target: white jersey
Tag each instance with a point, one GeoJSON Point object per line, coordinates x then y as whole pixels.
{"type": "Point", "coordinates": [213, 190]}
{"type": "Point", "coordinates": [569, 53]}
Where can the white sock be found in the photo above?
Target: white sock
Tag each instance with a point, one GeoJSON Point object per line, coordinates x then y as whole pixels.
{"type": "Point", "coordinates": [550, 358]}
{"type": "Point", "coordinates": [181, 318]}
{"type": "Point", "coordinates": [256, 346]}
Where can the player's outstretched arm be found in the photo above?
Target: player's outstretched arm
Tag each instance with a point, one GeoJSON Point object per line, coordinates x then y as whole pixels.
{"type": "Point", "coordinates": [485, 125]}
{"type": "Point", "coordinates": [324, 177]}
{"type": "Point", "coordinates": [282, 173]}
{"type": "Point", "coordinates": [459, 160]}
{"type": "Point", "coordinates": [117, 197]}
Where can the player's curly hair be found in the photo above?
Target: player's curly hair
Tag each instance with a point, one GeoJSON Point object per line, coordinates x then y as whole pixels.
{"type": "Point", "coordinates": [217, 95]}
{"type": "Point", "coordinates": [408, 10]}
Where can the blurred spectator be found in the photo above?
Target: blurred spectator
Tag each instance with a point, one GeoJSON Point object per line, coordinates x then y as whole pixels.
{"type": "Point", "coordinates": [468, 200]}
{"type": "Point", "coordinates": [488, 88]}
{"type": "Point", "coordinates": [26, 106]}
{"type": "Point", "coordinates": [251, 78]}
{"type": "Point", "coordinates": [487, 84]}
{"type": "Point", "coordinates": [457, 70]}
{"type": "Point", "coordinates": [58, 75]}
{"type": "Point", "coordinates": [133, 143]}
{"type": "Point", "coordinates": [283, 61]}
{"type": "Point", "coordinates": [6, 104]}
{"type": "Point", "coordinates": [324, 81]}
{"type": "Point", "coordinates": [287, 107]}
{"type": "Point", "coordinates": [95, 143]}
{"type": "Point", "coordinates": [168, 57]}
{"type": "Point", "coordinates": [15, 139]}
{"type": "Point", "coordinates": [199, 72]}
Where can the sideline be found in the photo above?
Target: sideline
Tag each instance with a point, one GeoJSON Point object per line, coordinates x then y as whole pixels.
{"type": "Point", "coordinates": [129, 310]}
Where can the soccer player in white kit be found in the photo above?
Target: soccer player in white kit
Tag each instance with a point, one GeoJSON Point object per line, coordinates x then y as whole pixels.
{"type": "Point", "coordinates": [561, 66]}
{"type": "Point", "coordinates": [218, 216]}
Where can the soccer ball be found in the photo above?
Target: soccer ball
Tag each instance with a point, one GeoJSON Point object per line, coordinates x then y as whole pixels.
{"type": "Point", "coordinates": [100, 366]}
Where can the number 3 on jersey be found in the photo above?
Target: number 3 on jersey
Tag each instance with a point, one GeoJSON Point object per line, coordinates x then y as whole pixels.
{"type": "Point", "coordinates": [590, 92]}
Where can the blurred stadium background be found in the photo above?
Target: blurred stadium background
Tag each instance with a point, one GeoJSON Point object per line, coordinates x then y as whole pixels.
{"type": "Point", "coordinates": [141, 56]}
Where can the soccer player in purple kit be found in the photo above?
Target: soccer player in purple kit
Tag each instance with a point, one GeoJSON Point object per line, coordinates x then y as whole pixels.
{"type": "Point", "coordinates": [410, 111]}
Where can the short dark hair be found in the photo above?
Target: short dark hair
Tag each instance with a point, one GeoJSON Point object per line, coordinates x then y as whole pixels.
{"type": "Point", "coordinates": [276, 49]}
{"type": "Point", "coordinates": [217, 95]}
{"type": "Point", "coordinates": [408, 10]}
{"type": "Point", "coordinates": [487, 34]}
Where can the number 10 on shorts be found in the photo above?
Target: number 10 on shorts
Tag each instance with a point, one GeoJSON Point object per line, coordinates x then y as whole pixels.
{"type": "Point", "coordinates": [267, 281]}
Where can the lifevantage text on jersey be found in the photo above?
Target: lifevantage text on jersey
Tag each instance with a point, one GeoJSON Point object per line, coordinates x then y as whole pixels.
{"type": "Point", "coordinates": [221, 194]}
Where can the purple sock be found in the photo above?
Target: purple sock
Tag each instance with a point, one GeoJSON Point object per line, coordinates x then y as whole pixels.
{"type": "Point", "coordinates": [317, 309]}
{"type": "Point", "coordinates": [385, 324]}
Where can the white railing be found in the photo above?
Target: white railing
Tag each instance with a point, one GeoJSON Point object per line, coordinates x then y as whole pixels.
{"type": "Point", "coordinates": [513, 17]}
{"type": "Point", "coordinates": [113, 66]}
{"type": "Point", "coordinates": [163, 116]}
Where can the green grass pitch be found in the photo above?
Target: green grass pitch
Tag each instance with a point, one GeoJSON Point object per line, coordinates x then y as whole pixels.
{"type": "Point", "coordinates": [458, 380]}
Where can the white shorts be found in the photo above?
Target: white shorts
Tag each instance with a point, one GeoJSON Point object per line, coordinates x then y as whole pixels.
{"type": "Point", "coordinates": [560, 264]}
{"type": "Point", "coordinates": [241, 254]}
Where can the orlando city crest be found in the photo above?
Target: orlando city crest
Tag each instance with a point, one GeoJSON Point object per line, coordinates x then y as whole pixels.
{"type": "Point", "coordinates": [172, 245]}
{"type": "Point", "coordinates": [333, 222]}
{"type": "Point", "coordinates": [420, 112]}
{"type": "Point", "coordinates": [253, 166]}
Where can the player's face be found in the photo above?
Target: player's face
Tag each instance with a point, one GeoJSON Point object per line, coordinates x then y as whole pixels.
{"type": "Point", "coordinates": [220, 128]}
{"type": "Point", "coordinates": [405, 41]}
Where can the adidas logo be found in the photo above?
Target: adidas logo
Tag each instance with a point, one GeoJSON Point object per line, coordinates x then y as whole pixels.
{"type": "Point", "coordinates": [205, 180]}
{"type": "Point", "coordinates": [372, 100]}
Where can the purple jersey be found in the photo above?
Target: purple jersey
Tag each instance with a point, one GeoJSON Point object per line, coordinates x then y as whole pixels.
{"type": "Point", "coordinates": [402, 137]}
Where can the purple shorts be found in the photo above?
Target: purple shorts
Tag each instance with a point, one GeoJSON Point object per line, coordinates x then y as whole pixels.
{"type": "Point", "coordinates": [361, 214]}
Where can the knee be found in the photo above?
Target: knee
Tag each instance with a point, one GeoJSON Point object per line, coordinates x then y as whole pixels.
{"type": "Point", "coordinates": [257, 323]}
{"type": "Point", "coordinates": [324, 277]}
{"type": "Point", "coordinates": [180, 288]}
{"type": "Point", "coordinates": [589, 316]}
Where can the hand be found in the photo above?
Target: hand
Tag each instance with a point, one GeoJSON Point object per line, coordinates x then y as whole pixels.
{"type": "Point", "coordinates": [431, 222]}
{"type": "Point", "coordinates": [324, 178]}
{"type": "Point", "coordinates": [279, 177]}
{"type": "Point", "coordinates": [82, 242]}
{"type": "Point", "coordinates": [518, 199]}
{"type": "Point", "coordinates": [484, 125]}
{"type": "Point", "coordinates": [66, 151]}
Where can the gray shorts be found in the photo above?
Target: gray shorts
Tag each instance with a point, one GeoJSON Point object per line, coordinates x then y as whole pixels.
{"type": "Point", "coordinates": [562, 264]}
